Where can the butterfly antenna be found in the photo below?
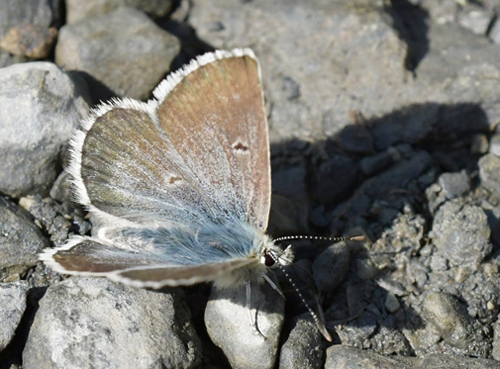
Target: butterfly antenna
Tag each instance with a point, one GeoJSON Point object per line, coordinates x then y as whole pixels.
{"type": "Point", "coordinates": [315, 317]}
{"type": "Point", "coordinates": [319, 238]}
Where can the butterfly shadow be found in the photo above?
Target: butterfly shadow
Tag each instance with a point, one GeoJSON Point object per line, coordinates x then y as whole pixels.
{"type": "Point", "coordinates": [373, 177]}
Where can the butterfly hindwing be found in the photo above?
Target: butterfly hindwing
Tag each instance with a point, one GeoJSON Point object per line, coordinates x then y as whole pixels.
{"type": "Point", "coordinates": [88, 256]}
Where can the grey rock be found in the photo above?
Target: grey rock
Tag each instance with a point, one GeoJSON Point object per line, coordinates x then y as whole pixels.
{"type": "Point", "coordinates": [475, 19]}
{"type": "Point", "coordinates": [461, 234]}
{"type": "Point", "coordinates": [95, 323]}
{"type": "Point", "coordinates": [454, 184]}
{"type": "Point", "coordinates": [122, 49]}
{"type": "Point", "coordinates": [408, 125]}
{"type": "Point", "coordinates": [80, 10]}
{"type": "Point", "coordinates": [391, 303]}
{"type": "Point", "coordinates": [41, 106]}
{"type": "Point", "coordinates": [455, 326]}
{"type": "Point", "coordinates": [335, 178]}
{"type": "Point", "coordinates": [330, 267]}
{"type": "Point", "coordinates": [480, 144]}
{"type": "Point", "coordinates": [355, 138]}
{"type": "Point", "coordinates": [61, 189]}
{"type": "Point", "coordinates": [441, 12]}
{"type": "Point", "coordinates": [57, 219]}
{"type": "Point", "coordinates": [350, 358]}
{"type": "Point", "coordinates": [495, 352]}
{"type": "Point", "coordinates": [285, 34]}
{"type": "Point", "coordinates": [489, 172]}
{"type": "Point", "coordinates": [495, 144]}
{"type": "Point", "coordinates": [228, 323]}
{"type": "Point", "coordinates": [7, 59]}
{"type": "Point", "coordinates": [454, 362]}
{"type": "Point", "coordinates": [32, 41]}
{"type": "Point", "coordinates": [36, 12]}
{"type": "Point", "coordinates": [398, 176]}
{"type": "Point", "coordinates": [22, 240]}
{"type": "Point", "coordinates": [494, 33]}
{"type": "Point", "coordinates": [12, 306]}
{"type": "Point", "coordinates": [303, 347]}
{"type": "Point", "coordinates": [371, 165]}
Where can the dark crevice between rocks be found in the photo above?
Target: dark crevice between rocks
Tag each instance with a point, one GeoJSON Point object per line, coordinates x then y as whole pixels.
{"type": "Point", "coordinates": [196, 300]}
{"type": "Point", "coordinates": [410, 21]}
{"type": "Point", "coordinates": [13, 353]}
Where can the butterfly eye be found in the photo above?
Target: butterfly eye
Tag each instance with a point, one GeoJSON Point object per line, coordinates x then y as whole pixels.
{"type": "Point", "coordinates": [268, 260]}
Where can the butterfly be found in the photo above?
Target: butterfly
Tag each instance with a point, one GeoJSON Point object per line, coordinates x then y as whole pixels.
{"type": "Point", "coordinates": [179, 186]}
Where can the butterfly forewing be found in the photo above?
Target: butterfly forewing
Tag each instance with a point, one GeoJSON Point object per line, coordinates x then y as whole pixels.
{"type": "Point", "coordinates": [223, 136]}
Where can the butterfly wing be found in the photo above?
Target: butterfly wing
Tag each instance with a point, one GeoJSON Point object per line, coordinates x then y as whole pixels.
{"type": "Point", "coordinates": [199, 153]}
{"type": "Point", "coordinates": [223, 137]}
{"type": "Point", "coordinates": [88, 256]}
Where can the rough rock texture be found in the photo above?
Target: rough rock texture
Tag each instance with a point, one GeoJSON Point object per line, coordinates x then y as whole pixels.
{"type": "Point", "coordinates": [123, 49]}
{"type": "Point", "coordinates": [93, 322]}
{"type": "Point", "coordinates": [41, 107]}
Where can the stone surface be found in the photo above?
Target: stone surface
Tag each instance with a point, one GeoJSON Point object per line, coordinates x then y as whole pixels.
{"type": "Point", "coordinates": [28, 40]}
{"type": "Point", "coordinates": [228, 323]}
{"type": "Point", "coordinates": [80, 10]}
{"type": "Point", "coordinates": [331, 265]}
{"type": "Point", "coordinates": [93, 322]}
{"type": "Point", "coordinates": [122, 49]}
{"type": "Point", "coordinates": [351, 358]}
{"type": "Point", "coordinates": [303, 347]}
{"type": "Point", "coordinates": [454, 184]}
{"type": "Point", "coordinates": [12, 306]}
{"type": "Point", "coordinates": [35, 12]}
{"type": "Point", "coordinates": [451, 320]}
{"type": "Point", "coordinates": [461, 234]}
{"type": "Point", "coordinates": [489, 172]}
{"type": "Point", "coordinates": [41, 107]}
{"type": "Point", "coordinates": [21, 240]}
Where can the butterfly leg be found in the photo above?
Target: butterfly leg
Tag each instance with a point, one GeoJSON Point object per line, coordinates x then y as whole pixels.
{"type": "Point", "coordinates": [273, 285]}
{"type": "Point", "coordinates": [253, 322]}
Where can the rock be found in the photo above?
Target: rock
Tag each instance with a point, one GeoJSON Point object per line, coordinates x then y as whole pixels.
{"type": "Point", "coordinates": [41, 107]}
{"type": "Point", "coordinates": [495, 144]}
{"type": "Point", "coordinates": [22, 240]}
{"type": "Point", "coordinates": [489, 172]}
{"type": "Point", "coordinates": [93, 322]}
{"type": "Point", "coordinates": [12, 306]}
{"type": "Point", "coordinates": [123, 49]}
{"type": "Point", "coordinates": [453, 323]}
{"type": "Point", "coordinates": [285, 34]}
{"type": "Point", "coordinates": [80, 10]}
{"type": "Point", "coordinates": [330, 267]}
{"type": "Point", "coordinates": [454, 184]}
{"type": "Point", "coordinates": [228, 324]}
{"type": "Point", "coordinates": [371, 165]}
{"type": "Point", "coordinates": [35, 42]}
{"type": "Point", "coordinates": [303, 348]}
{"type": "Point", "coordinates": [475, 19]}
{"type": "Point", "coordinates": [351, 358]}
{"type": "Point", "coordinates": [461, 234]}
{"type": "Point", "coordinates": [34, 12]}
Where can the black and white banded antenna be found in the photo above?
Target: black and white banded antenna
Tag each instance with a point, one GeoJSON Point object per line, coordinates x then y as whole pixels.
{"type": "Point", "coordinates": [319, 238]}
{"type": "Point", "coordinates": [317, 320]}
